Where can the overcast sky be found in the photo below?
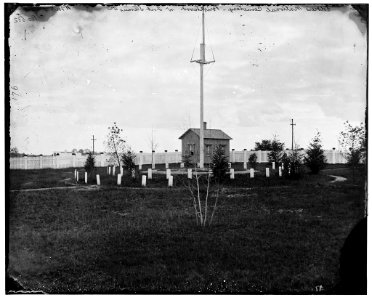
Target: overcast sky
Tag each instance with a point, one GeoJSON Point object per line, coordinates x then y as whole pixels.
{"type": "Point", "coordinates": [77, 71]}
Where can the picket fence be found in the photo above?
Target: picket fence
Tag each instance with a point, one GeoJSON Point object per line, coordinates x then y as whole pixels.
{"type": "Point", "coordinates": [103, 160]}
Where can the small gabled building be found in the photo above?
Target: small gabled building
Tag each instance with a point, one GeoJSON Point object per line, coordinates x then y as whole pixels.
{"type": "Point", "coordinates": [212, 138]}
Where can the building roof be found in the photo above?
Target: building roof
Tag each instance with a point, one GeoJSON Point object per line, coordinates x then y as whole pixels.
{"type": "Point", "coordinates": [215, 134]}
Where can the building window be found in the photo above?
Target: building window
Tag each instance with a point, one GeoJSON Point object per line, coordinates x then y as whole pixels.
{"type": "Point", "coordinates": [208, 149]}
{"type": "Point", "coordinates": [191, 148]}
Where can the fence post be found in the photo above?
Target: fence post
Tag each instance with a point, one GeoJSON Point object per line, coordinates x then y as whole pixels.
{"type": "Point", "coordinates": [153, 159]}
{"type": "Point", "coordinates": [333, 156]}
{"type": "Point", "coordinates": [41, 161]}
{"type": "Point", "coordinates": [245, 159]}
{"type": "Point", "coordinates": [232, 155]}
{"type": "Point", "coordinates": [140, 160]}
{"type": "Point", "coordinates": [25, 162]}
{"type": "Point", "coordinates": [166, 159]}
{"type": "Point", "coordinates": [232, 175]}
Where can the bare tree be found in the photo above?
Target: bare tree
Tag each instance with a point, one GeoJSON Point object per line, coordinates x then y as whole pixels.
{"type": "Point", "coordinates": [115, 144]}
{"type": "Point", "coordinates": [153, 144]}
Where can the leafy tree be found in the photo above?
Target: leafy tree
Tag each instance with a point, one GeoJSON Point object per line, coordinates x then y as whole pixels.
{"type": "Point", "coordinates": [274, 146]}
{"type": "Point", "coordinates": [276, 152]}
{"type": "Point", "coordinates": [253, 160]}
{"type": "Point", "coordinates": [90, 163]}
{"type": "Point", "coordinates": [264, 145]}
{"type": "Point", "coordinates": [315, 159]}
{"type": "Point", "coordinates": [353, 143]}
{"type": "Point", "coordinates": [128, 159]}
{"type": "Point", "coordinates": [220, 164]}
{"type": "Point", "coordinates": [115, 144]}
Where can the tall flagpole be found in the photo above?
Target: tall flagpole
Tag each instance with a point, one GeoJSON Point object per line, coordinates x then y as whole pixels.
{"type": "Point", "coordinates": [202, 62]}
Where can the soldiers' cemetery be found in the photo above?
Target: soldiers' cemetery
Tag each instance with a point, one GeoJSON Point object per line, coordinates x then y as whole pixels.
{"type": "Point", "coordinates": [240, 170]}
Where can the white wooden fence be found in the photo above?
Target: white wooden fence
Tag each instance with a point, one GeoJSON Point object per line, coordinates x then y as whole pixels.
{"type": "Point", "coordinates": [102, 160]}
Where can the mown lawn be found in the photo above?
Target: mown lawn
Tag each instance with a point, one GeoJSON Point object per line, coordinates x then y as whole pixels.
{"type": "Point", "coordinates": [270, 239]}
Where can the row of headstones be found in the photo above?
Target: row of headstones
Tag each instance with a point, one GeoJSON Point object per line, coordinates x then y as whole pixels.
{"type": "Point", "coordinates": [86, 177]}
{"type": "Point", "coordinates": [168, 174]}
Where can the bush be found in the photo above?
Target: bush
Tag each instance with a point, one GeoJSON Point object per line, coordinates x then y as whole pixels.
{"type": "Point", "coordinates": [220, 164]}
{"type": "Point", "coordinates": [128, 159]}
{"type": "Point", "coordinates": [186, 159]}
{"type": "Point", "coordinates": [315, 159]}
{"type": "Point", "coordinates": [253, 160]}
{"type": "Point", "coordinates": [89, 163]}
{"type": "Point", "coordinates": [293, 165]}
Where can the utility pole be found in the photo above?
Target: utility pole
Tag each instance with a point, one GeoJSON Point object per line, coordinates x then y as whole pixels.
{"type": "Point", "coordinates": [292, 124]}
{"type": "Point", "coordinates": [93, 139]}
{"type": "Point", "coordinates": [202, 62]}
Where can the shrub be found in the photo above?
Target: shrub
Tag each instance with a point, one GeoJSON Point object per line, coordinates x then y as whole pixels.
{"type": "Point", "coordinates": [186, 159]}
{"type": "Point", "coordinates": [89, 163]}
{"type": "Point", "coordinates": [220, 164]}
{"type": "Point", "coordinates": [293, 164]}
{"type": "Point", "coordinates": [128, 159]}
{"type": "Point", "coordinates": [253, 160]}
{"type": "Point", "coordinates": [315, 159]}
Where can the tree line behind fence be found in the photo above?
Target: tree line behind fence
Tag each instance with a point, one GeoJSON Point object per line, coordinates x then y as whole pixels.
{"type": "Point", "coordinates": [102, 160]}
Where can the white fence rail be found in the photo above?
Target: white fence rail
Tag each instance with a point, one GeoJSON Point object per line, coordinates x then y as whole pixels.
{"type": "Point", "coordinates": [102, 160]}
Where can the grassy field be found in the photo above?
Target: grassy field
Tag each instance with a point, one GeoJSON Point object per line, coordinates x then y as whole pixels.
{"type": "Point", "coordinates": [278, 236]}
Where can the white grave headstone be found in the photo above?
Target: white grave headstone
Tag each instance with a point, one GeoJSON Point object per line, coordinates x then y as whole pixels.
{"type": "Point", "coordinates": [144, 180]}
{"type": "Point", "coordinates": [170, 180]}
{"type": "Point", "coordinates": [245, 166]}
{"type": "Point", "coordinates": [267, 172]}
{"type": "Point", "coordinates": [273, 165]}
{"type": "Point", "coordinates": [119, 179]}
{"type": "Point", "coordinates": [98, 179]}
{"type": "Point", "coordinates": [168, 173]}
{"type": "Point", "coordinates": [232, 175]}
{"type": "Point", "coordinates": [149, 173]}
{"type": "Point", "coordinates": [77, 176]}
{"type": "Point", "coordinates": [280, 171]}
{"type": "Point", "coordinates": [109, 170]}
{"type": "Point", "coordinates": [86, 177]}
{"type": "Point", "coordinates": [251, 172]}
{"type": "Point", "coordinates": [189, 173]}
